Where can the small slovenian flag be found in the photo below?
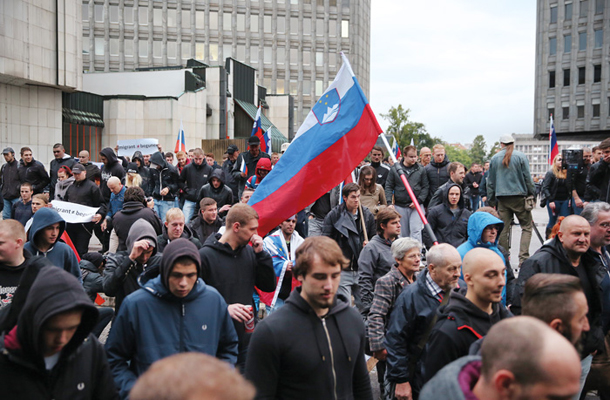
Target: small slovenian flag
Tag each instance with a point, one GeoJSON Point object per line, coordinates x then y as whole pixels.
{"type": "Point", "coordinates": [180, 142]}
{"type": "Point", "coordinates": [243, 168]}
{"type": "Point", "coordinates": [396, 148]}
{"type": "Point", "coordinates": [267, 140]}
{"type": "Point", "coordinates": [337, 134]}
{"type": "Point", "coordinates": [351, 178]}
{"type": "Point", "coordinates": [257, 130]}
{"type": "Point", "coordinates": [553, 148]}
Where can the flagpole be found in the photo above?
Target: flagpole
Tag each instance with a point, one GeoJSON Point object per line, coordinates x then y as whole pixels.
{"type": "Point", "coordinates": [401, 173]}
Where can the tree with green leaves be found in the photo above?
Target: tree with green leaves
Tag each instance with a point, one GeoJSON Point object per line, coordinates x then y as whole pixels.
{"type": "Point", "coordinates": [460, 155]}
{"type": "Point", "coordinates": [477, 151]}
{"type": "Point", "coordinates": [494, 149]}
{"type": "Point", "coordinates": [404, 129]}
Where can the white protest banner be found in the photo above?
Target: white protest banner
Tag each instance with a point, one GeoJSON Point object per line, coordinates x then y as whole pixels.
{"type": "Point", "coordinates": [128, 147]}
{"type": "Point", "coordinates": [74, 213]}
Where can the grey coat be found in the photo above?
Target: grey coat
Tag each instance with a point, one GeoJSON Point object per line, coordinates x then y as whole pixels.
{"type": "Point", "coordinates": [374, 262]}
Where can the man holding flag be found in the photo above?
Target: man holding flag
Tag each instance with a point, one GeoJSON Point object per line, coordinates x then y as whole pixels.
{"type": "Point", "coordinates": [245, 166]}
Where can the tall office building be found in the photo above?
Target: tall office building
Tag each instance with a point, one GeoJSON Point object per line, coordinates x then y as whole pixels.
{"type": "Point", "coordinates": [293, 44]}
{"type": "Point", "coordinates": [572, 70]}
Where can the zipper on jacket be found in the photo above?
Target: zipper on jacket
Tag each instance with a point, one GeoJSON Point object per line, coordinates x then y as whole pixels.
{"type": "Point", "coordinates": [332, 358]}
{"type": "Point", "coordinates": [182, 327]}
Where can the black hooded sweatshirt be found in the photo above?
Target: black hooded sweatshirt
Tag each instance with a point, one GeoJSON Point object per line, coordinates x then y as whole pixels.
{"type": "Point", "coordinates": [165, 177]}
{"type": "Point", "coordinates": [437, 175]}
{"type": "Point", "coordinates": [113, 167]}
{"type": "Point", "coordinates": [460, 323]}
{"type": "Point", "coordinates": [449, 227]}
{"type": "Point", "coordinates": [193, 177]}
{"type": "Point", "coordinates": [294, 354]}
{"type": "Point", "coordinates": [144, 172]}
{"type": "Point", "coordinates": [223, 194]}
{"type": "Point", "coordinates": [133, 211]}
{"type": "Point", "coordinates": [82, 371]}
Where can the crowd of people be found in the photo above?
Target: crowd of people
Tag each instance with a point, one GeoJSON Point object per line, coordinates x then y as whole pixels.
{"type": "Point", "coordinates": [352, 282]}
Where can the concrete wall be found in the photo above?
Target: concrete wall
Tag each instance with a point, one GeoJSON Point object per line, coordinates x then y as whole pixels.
{"type": "Point", "coordinates": [279, 108]}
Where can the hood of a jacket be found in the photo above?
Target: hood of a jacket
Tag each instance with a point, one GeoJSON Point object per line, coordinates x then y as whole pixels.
{"type": "Point", "coordinates": [158, 159]}
{"type": "Point", "coordinates": [88, 265]}
{"type": "Point", "coordinates": [467, 315]}
{"type": "Point", "coordinates": [43, 218]}
{"type": "Point", "coordinates": [110, 156]}
{"type": "Point", "coordinates": [141, 229]}
{"type": "Point", "coordinates": [264, 164]}
{"type": "Point", "coordinates": [220, 175]}
{"type": "Point", "coordinates": [477, 223]}
{"type": "Point", "coordinates": [54, 291]}
{"type": "Point", "coordinates": [445, 196]}
{"type": "Point", "coordinates": [23, 163]}
{"type": "Point", "coordinates": [455, 381]}
{"type": "Point", "coordinates": [139, 156]}
{"type": "Point", "coordinates": [300, 303]}
{"type": "Point", "coordinates": [441, 164]}
{"type": "Point", "coordinates": [130, 207]}
{"type": "Point", "coordinates": [212, 241]}
{"type": "Point", "coordinates": [174, 250]}
{"type": "Point", "coordinates": [187, 233]}
{"type": "Point", "coordinates": [555, 248]}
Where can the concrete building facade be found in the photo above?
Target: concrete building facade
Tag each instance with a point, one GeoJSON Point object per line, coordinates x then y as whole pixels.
{"type": "Point", "coordinates": [572, 70]}
{"type": "Point", "coordinates": [293, 44]}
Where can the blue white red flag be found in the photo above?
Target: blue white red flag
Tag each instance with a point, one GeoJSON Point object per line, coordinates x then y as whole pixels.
{"type": "Point", "coordinates": [338, 133]}
{"type": "Point", "coordinates": [267, 140]}
{"type": "Point", "coordinates": [180, 142]}
{"type": "Point", "coordinates": [553, 148]}
{"type": "Point", "coordinates": [396, 148]}
{"type": "Point", "coordinates": [257, 130]}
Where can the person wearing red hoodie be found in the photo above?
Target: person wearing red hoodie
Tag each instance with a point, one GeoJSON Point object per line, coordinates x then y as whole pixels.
{"type": "Point", "coordinates": [263, 167]}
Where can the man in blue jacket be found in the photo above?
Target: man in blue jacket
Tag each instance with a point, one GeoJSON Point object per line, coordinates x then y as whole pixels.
{"type": "Point", "coordinates": [176, 312]}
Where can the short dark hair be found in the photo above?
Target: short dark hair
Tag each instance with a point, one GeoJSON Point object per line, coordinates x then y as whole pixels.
{"type": "Point", "coordinates": [454, 166]}
{"type": "Point", "coordinates": [378, 148]}
{"type": "Point", "coordinates": [241, 213]}
{"type": "Point", "coordinates": [549, 296]}
{"type": "Point", "coordinates": [324, 247]}
{"type": "Point", "coordinates": [350, 187]}
{"type": "Point", "coordinates": [605, 144]}
{"type": "Point", "coordinates": [28, 184]}
{"type": "Point", "coordinates": [135, 193]}
{"type": "Point", "coordinates": [169, 154]}
{"type": "Point", "coordinates": [58, 145]}
{"type": "Point", "coordinates": [24, 149]}
{"type": "Point", "coordinates": [595, 148]}
{"type": "Point", "coordinates": [206, 201]}
{"type": "Point", "coordinates": [385, 215]}
{"type": "Point", "coordinates": [407, 149]}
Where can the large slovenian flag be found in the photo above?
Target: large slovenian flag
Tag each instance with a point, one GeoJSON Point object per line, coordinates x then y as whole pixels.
{"type": "Point", "coordinates": [338, 133]}
{"type": "Point", "coordinates": [180, 142]}
{"type": "Point", "coordinates": [257, 130]}
{"type": "Point", "coordinates": [553, 148]}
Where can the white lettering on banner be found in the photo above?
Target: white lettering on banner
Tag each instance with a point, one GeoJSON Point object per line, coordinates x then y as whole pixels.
{"type": "Point", "coordinates": [74, 213]}
{"type": "Point", "coordinates": [146, 146]}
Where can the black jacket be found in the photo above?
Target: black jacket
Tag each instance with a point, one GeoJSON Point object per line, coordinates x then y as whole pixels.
{"type": "Point", "coordinates": [437, 197]}
{"type": "Point", "coordinates": [447, 227]}
{"type": "Point", "coordinates": [193, 177]}
{"type": "Point", "coordinates": [250, 162]}
{"type": "Point", "coordinates": [93, 172]}
{"type": "Point", "coordinates": [382, 172]}
{"type": "Point", "coordinates": [223, 194]}
{"type": "Point", "coordinates": [82, 370]}
{"type": "Point", "coordinates": [294, 354]}
{"type": "Point", "coordinates": [112, 168]}
{"type": "Point", "coordinates": [121, 274]}
{"type": "Point", "coordinates": [144, 173]}
{"type": "Point", "coordinates": [202, 230]}
{"type": "Point", "coordinates": [340, 226]}
{"type": "Point", "coordinates": [93, 281]}
{"type": "Point", "coordinates": [471, 178]}
{"type": "Point", "coordinates": [88, 194]}
{"type": "Point", "coordinates": [166, 177]}
{"type": "Point", "coordinates": [163, 239]}
{"type": "Point", "coordinates": [10, 277]}
{"type": "Point", "coordinates": [598, 182]}
{"type": "Point", "coordinates": [55, 165]}
{"type": "Point", "coordinates": [551, 258]}
{"type": "Point", "coordinates": [550, 185]}
{"type": "Point", "coordinates": [230, 181]}
{"type": "Point", "coordinates": [437, 175]}
{"type": "Point", "coordinates": [9, 180]}
{"type": "Point", "coordinates": [460, 323]}
{"type": "Point", "coordinates": [418, 180]}
{"type": "Point", "coordinates": [34, 173]}
{"type": "Point", "coordinates": [133, 211]}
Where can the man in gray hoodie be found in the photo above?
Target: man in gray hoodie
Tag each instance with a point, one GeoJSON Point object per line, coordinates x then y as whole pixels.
{"type": "Point", "coordinates": [521, 358]}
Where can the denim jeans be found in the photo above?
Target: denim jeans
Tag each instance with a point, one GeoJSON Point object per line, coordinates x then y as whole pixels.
{"type": "Point", "coordinates": [474, 202]}
{"type": "Point", "coordinates": [575, 209]}
{"type": "Point", "coordinates": [162, 207]}
{"type": "Point", "coordinates": [562, 209]}
{"type": "Point", "coordinates": [188, 210]}
{"type": "Point", "coordinates": [8, 205]}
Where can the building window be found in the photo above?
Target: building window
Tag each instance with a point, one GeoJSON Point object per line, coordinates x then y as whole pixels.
{"type": "Point", "coordinates": [254, 55]}
{"type": "Point", "coordinates": [128, 46]}
{"type": "Point", "coordinates": [267, 24]}
{"type": "Point", "coordinates": [254, 23]}
{"type": "Point", "coordinates": [267, 55]}
{"type": "Point", "coordinates": [565, 112]}
{"type": "Point", "coordinates": [344, 29]}
{"type": "Point", "coordinates": [599, 38]}
{"type": "Point", "coordinates": [584, 8]}
{"type": "Point", "coordinates": [567, 44]}
{"type": "Point", "coordinates": [186, 50]}
{"type": "Point", "coordinates": [213, 21]}
{"type": "Point", "coordinates": [241, 22]}
{"type": "Point", "coordinates": [157, 17]}
{"type": "Point", "coordinates": [199, 51]}
{"type": "Point", "coordinates": [566, 77]}
{"type": "Point", "coordinates": [552, 46]}
{"type": "Point", "coordinates": [294, 25]}
{"type": "Point", "coordinates": [157, 49]}
{"type": "Point", "coordinates": [142, 16]}
{"type": "Point", "coordinates": [171, 18]}
{"type": "Point", "coordinates": [128, 15]}
{"type": "Point", "coordinates": [319, 59]}
{"type": "Point", "coordinates": [172, 49]}
{"type": "Point", "coordinates": [320, 27]}
{"type": "Point", "coordinates": [307, 26]}
{"type": "Point", "coordinates": [99, 46]}
{"type": "Point", "coordinates": [143, 48]}
{"type": "Point", "coordinates": [186, 19]}
{"type": "Point", "coordinates": [582, 41]}
{"type": "Point", "coordinates": [319, 88]}
{"type": "Point", "coordinates": [332, 58]}
{"type": "Point", "coordinates": [281, 55]}
{"type": "Point", "coordinates": [580, 112]}
{"type": "Point", "coordinates": [597, 73]}
{"type": "Point", "coordinates": [99, 13]}
{"type": "Point", "coordinates": [280, 87]}
{"type": "Point", "coordinates": [241, 52]}
{"type": "Point", "coordinates": [568, 12]}
{"type": "Point", "coordinates": [294, 87]}
{"type": "Point", "coordinates": [294, 56]}
{"type": "Point", "coordinates": [599, 6]}
{"type": "Point", "coordinates": [213, 52]}
{"type": "Point", "coordinates": [226, 21]}
{"type": "Point", "coordinates": [551, 113]}
{"type": "Point", "coordinates": [306, 87]}
{"type": "Point", "coordinates": [114, 47]}
{"type": "Point", "coordinates": [595, 110]}
{"type": "Point", "coordinates": [554, 15]}
{"type": "Point", "coordinates": [551, 79]}
{"type": "Point", "coordinates": [227, 50]}
{"type": "Point", "coordinates": [281, 24]}
{"type": "Point", "coordinates": [332, 28]}
{"type": "Point", "coordinates": [199, 19]}
{"type": "Point", "coordinates": [114, 14]}
{"type": "Point", "coordinates": [85, 10]}
{"type": "Point", "coordinates": [582, 75]}
{"type": "Point", "coordinates": [306, 57]}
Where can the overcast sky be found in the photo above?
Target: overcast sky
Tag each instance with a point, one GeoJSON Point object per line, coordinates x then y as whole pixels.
{"type": "Point", "coordinates": [463, 67]}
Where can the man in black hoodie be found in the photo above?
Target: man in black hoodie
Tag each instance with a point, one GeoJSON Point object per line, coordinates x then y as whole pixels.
{"type": "Point", "coordinates": [32, 171]}
{"type": "Point", "coordinates": [112, 167]}
{"type": "Point", "coordinates": [217, 190]}
{"type": "Point", "coordinates": [467, 318]}
{"type": "Point", "coordinates": [313, 347]}
{"type": "Point", "coordinates": [134, 208]}
{"type": "Point", "coordinates": [143, 171]}
{"type": "Point", "coordinates": [227, 167]}
{"type": "Point", "coordinates": [192, 178]}
{"type": "Point", "coordinates": [124, 267]}
{"type": "Point", "coordinates": [50, 353]}
{"type": "Point", "coordinates": [165, 181]}
{"type": "Point", "coordinates": [233, 267]}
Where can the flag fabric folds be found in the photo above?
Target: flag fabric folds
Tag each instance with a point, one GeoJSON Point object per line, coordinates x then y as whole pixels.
{"type": "Point", "coordinates": [257, 130]}
{"type": "Point", "coordinates": [180, 142]}
{"type": "Point", "coordinates": [396, 148]}
{"type": "Point", "coordinates": [267, 140]}
{"type": "Point", "coordinates": [553, 148]}
{"type": "Point", "coordinates": [338, 133]}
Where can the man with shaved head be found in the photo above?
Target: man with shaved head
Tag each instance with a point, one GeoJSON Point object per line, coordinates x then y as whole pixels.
{"type": "Point", "coordinates": [467, 316]}
{"type": "Point", "coordinates": [93, 172]}
{"type": "Point", "coordinates": [413, 311]}
{"type": "Point", "coordinates": [521, 359]}
{"type": "Point", "coordinates": [425, 155]}
{"type": "Point", "coordinates": [568, 254]}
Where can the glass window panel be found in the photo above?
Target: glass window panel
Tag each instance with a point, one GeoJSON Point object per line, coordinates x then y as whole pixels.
{"type": "Point", "coordinates": [567, 44]}
{"type": "Point", "coordinates": [307, 57]}
{"type": "Point", "coordinates": [171, 18]}
{"type": "Point", "coordinates": [306, 26]}
{"type": "Point", "coordinates": [306, 87]}
{"type": "Point", "coordinates": [554, 15]}
{"type": "Point", "coordinates": [157, 49]}
{"type": "Point", "coordinates": [157, 17]}
{"type": "Point", "coordinates": [128, 47]}
{"type": "Point", "coordinates": [294, 56]}
{"type": "Point", "coordinates": [267, 23]}
{"type": "Point", "coordinates": [332, 27]}
{"type": "Point", "coordinates": [85, 10]}
{"type": "Point", "coordinates": [142, 15]}
{"type": "Point", "coordinates": [320, 27]}
{"type": "Point", "coordinates": [584, 8]}
{"type": "Point", "coordinates": [213, 20]}
{"type": "Point", "coordinates": [241, 22]}
{"type": "Point", "coordinates": [281, 24]}
{"type": "Point", "coordinates": [254, 54]}
{"type": "Point", "coordinates": [199, 19]}
{"type": "Point", "coordinates": [186, 50]}
{"type": "Point", "coordinates": [241, 52]}
{"type": "Point", "coordinates": [114, 14]}
{"type": "Point", "coordinates": [186, 19]}
{"type": "Point", "coordinates": [294, 26]}
{"type": "Point", "coordinates": [319, 88]}
{"type": "Point", "coordinates": [319, 59]}
{"type": "Point", "coordinates": [267, 55]}
{"type": "Point", "coordinates": [294, 86]}
{"type": "Point", "coordinates": [227, 51]}
{"type": "Point", "coordinates": [582, 41]}
{"type": "Point", "coordinates": [599, 8]}
{"type": "Point", "coordinates": [99, 13]}
{"type": "Point", "coordinates": [199, 51]}
{"type": "Point", "coordinates": [595, 110]}
{"type": "Point", "coordinates": [213, 52]}
{"type": "Point", "coordinates": [568, 12]}
{"type": "Point", "coordinates": [226, 21]}
{"type": "Point", "coordinates": [114, 47]}
{"type": "Point", "coordinates": [281, 55]}
{"type": "Point", "coordinates": [86, 45]}
{"type": "Point", "coordinates": [332, 58]}
{"type": "Point", "coordinates": [254, 23]}
{"type": "Point", "coordinates": [128, 15]}
{"type": "Point", "coordinates": [344, 29]}
{"type": "Point", "coordinates": [99, 46]}
{"type": "Point", "coordinates": [280, 86]}
{"type": "Point", "coordinates": [172, 49]}
{"type": "Point", "coordinates": [599, 38]}
{"type": "Point", "coordinates": [553, 46]}
{"type": "Point", "coordinates": [143, 48]}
